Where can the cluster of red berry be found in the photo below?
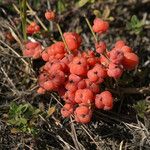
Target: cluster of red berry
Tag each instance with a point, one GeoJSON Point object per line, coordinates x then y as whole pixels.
{"type": "Point", "coordinates": [33, 28]}
{"type": "Point", "coordinates": [76, 75]}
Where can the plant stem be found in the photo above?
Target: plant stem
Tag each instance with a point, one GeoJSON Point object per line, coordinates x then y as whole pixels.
{"type": "Point", "coordinates": [89, 25]}
{"type": "Point", "coordinates": [60, 31]}
{"type": "Point", "coordinates": [23, 16]}
{"type": "Point", "coordinates": [37, 18]}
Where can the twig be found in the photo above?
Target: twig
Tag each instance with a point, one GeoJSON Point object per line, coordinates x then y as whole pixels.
{"type": "Point", "coordinates": [60, 31]}
{"type": "Point", "coordinates": [121, 144]}
{"type": "Point", "coordinates": [25, 62]}
{"type": "Point", "coordinates": [89, 25]}
{"type": "Point", "coordinates": [74, 136]}
{"type": "Point", "coordinates": [83, 127]}
{"type": "Point", "coordinates": [14, 52]}
{"type": "Point", "coordinates": [10, 81]}
{"type": "Point", "coordinates": [38, 19]}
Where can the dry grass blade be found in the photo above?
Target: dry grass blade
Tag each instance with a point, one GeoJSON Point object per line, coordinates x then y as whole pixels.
{"type": "Point", "coordinates": [68, 146]}
{"type": "Point", "coordinates": [18, 11]}
{"type": "Point", "coordinates": [121, 145]}
{"type": "Point", "coordinates": [37, 18]}
{"type": "Point", "coordinates": [10, 82]}
{"type": "Point", "coordinates": [25, 62]}
{"type": "Point", "coordinates": [83, 127]}
{"type": "Point", "coordinates": [74, 136]}
{"type": "Point", "coordinates": [13, 51]}
{"type": "Point", "coordinates": [16, 37]}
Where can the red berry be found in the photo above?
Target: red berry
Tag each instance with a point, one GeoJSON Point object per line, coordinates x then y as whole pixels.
{"type": "Point", "coordinates": [32, 49]}
{"type": "Point", "coordinates": [119, 44]}
{"type": "Point", "coordinates": [33, 28]}
{"type": "Point", "coordinates": [100, 47]}
{"type": "Point", "coordinates": [67, 110]}
{"type": "Point", "coordinates": [69, 97]}
{"type": "Point", "coordinates": [84, 96]}
{"type": "Point", "coordinates": [116, 56]}
{"type": "Point", "coordinates": [73, 40]}
{"type": "Point", "coordinates": [114, 70]}
{"type": "Point", "coordinates": [100, 26]}
{"type": "Point", "coordinates": [78, 66]}
{"type": "Point", "coordinates": [83, 114]}
{"type": "Point", "coordinates": [130, 61]}
{"type": "Point", "coordinates": [126, 49]}
{"type": "Point", "coordinates": [50, 15]}
{"type": "Point", "coordinates": [104, 100]}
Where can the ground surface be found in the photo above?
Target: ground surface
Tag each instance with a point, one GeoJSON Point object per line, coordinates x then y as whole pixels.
{"type": "Point", "coordinates": [122, 128]}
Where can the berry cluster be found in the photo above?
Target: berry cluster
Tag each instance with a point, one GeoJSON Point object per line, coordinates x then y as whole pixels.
{"type": "Point", "coordinates": [33, 28]}
{"type": "Point", "coordinates": [77, 75]}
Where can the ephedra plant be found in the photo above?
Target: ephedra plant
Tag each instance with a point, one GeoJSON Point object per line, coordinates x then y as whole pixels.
{"type": "Point", "coordinates": [76, 74]}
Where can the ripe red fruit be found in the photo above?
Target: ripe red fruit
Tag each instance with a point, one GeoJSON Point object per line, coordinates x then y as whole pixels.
{"type": "Point", "coordinates": [90, 56]}
{"type": "Point", "coordinates": [98, 102]}
{"type": "Point", "coordinates": [130, 61]}
{"type": "Point", "coordinates": [55, 51]}
{"type": "Point", "coordinates": [104, 100]}
{"type": "Point", "coordinates": [104, 61]}
{"type": "Point", "coordinates": [78, 96]}
{"type": "Point", "coordinates": [45, 56]}
{"type": "Point", "coordinates": [116, 56]}
{"type": "Point", "coordinates": [114, 70]}
{"type": "Point", "coordinates": [78, 66]}
{"type": "Point", "coordinates": [97, 74]}
{"type": "Point", "coordinates": [81, 84]}
{"type": "Point", "coordinates": [69, 97]}
{"type": "Point", "coordinates": [73, 40]}
{"type": "Point", "coordinates": [119, 44]}
{"type": "Point", "coordinates": [49, 85]}
{"type": "Point", "coordinates": [100, 47]}
{"type": "Point", "coordinates": [126, 49]}
{"type": "Point", "coordinates": [67, 110]}
{"type": "Point", "coordinates": [67, 59]}
{"type": "Point", "coordinates": [100, 26]}
{"type": "Point", "coordinates": [83, 114]}
{"type": "Point", "coordinates": [41, 90]}
{"type": "Point", "coordinates": [92, 86]}
{"type": "Point", "coordinates": [50, 15]}
{"type": "Point", "coordinates": [84, 96]}
{"type": "Point", "coordinates": [32, 49]}
{"type": "Point", "coordinates": [52, 79]}
{"type": "Point", "coordinates": [72, 83]}
{"type": "Point", "coordinates": [33, 28]}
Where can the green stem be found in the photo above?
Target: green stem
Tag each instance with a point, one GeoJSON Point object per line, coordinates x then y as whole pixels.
{"type": "Point", "coordinates": [89, 25]}
{"type": "Point", "coordinates": [36, 16]}
{"type": "Point", "coordinates": [23, 15]}
{"type": "Point", "coordinates": [60, 31]}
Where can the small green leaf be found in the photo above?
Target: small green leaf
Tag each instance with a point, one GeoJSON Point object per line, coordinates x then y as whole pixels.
{"type": "Point", "coordinates": [134, 20]}
{"type": "Point", "coordinates": [23, 121]}
{"type": "Point", "coordinates": [97, 13]}
{"type": "Point", "coordinates": [61, 6]}
{"type": "Point", "coordinates": [37, 111]}
{"type": "Point", "coordinates": [92, 1]}
{"type": "Point", "coordinates": [141, 108]}
{"type": "Point", "coordinates": [12, 121]}
{"type": "Point", "coordinates": [82, 2]}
